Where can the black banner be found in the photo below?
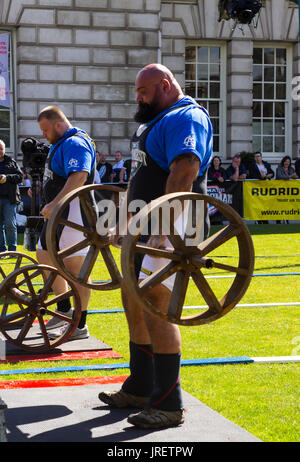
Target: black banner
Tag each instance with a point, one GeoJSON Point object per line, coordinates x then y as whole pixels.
{"type": "Point", "coordinates": [229, 192]}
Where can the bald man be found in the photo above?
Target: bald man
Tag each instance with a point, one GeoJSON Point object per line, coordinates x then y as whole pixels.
{"type": "Point", "coordinates": [71, 163]}
{"type": "Point", "coordinates": [170, 150]}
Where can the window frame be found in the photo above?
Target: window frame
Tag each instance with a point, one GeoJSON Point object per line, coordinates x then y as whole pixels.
{"type": "Point", "coordinates": [223, 89]}
{"type": "Point", "coordinates": [12, 149]}
{"type": "Point", "coordinates": [288, 142]}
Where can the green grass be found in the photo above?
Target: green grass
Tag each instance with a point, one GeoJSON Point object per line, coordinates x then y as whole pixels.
{"type": "Point", "coordinates": [262, 398]}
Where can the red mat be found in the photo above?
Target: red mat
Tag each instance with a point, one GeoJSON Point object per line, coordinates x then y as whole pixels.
{"type": "Point", "coordinates": [62, 356]}
{"type": "Point", "coordinates": [68, 382]}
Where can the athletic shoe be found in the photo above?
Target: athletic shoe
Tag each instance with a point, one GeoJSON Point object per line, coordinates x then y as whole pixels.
{"type": "Point", "coordinates": [78, 334]}
{"type": "Point", "coordinates": [55, 322]}
{"type": "Point", "coordinates": [156, 418]}
{"type": "Point", "coordinates": [121, 399]}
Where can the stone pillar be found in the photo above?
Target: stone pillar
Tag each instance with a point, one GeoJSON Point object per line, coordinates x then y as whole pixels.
{"type": "Point", "coordinates": [239, 96]}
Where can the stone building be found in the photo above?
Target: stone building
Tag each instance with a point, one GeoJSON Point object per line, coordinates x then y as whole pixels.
{"type": "Point", "coordinates": [83, 55]}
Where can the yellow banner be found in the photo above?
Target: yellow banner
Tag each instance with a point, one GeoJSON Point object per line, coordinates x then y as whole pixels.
{"type": "Point", "coordinates": [271, 200]}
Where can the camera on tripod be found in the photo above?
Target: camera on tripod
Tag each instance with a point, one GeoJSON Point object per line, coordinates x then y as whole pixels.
{"type": "Point", "coordinates": [241, 11]}
{"type": "Point", "coordinates": [34, 155]}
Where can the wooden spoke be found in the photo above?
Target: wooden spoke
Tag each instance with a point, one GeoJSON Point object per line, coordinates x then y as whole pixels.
{"type": "Point", "coordinates": [58, 298]}
{"type": "Point", "coordinates": [89, 211]}
{"type": "Point", "coordinates": [88, 264]}
{"type": "Point", "coordinates": [14, 316]}
{"type": "Point", "coordinates": [158, 276]}
{"type": "Point", "coordinates": [25, 328]}
{"type": "Point", "coordinates": [44, 332]}
{"type": "Point", "coordinates": [69, 251]}
{"type": "Point", "coordinates": [163, 253]}
{"type": "Point", "coordinates": [47, 286]}
{"type": "Point", "coordinates": [217, 239]}
{"type": "Point", "coordinates": [178, 295]}
{"type": "Point", "coordinates": [111, 265]}
{"type": "Point", "coordinates": [206, 291]}
{"type": "Point", "coordinates": [71, 224]}
{"type": "Point", "coordinates": [233, 269]}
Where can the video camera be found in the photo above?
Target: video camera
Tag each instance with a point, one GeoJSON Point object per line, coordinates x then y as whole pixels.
{"type": "Point", "coordinates": [34, 155]}
{"type": "Point", "coordinates": [242, 11]}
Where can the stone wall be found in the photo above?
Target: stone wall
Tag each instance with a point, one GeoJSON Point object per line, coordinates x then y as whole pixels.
{"type": "Point", "coordinates": [83, 55]}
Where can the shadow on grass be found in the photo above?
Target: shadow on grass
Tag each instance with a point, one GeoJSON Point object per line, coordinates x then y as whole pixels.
{"type": "Point", "coordinates": [266, 229]}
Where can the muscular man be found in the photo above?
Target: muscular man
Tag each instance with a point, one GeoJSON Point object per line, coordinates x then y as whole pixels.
{"type": "Point", "coordinates": [170, 150]}
{"type": "Point", "coordinates": [70, 165]}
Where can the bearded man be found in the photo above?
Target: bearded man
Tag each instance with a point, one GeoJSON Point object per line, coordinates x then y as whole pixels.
{"type": "Point", "coordinates": [171, 150]}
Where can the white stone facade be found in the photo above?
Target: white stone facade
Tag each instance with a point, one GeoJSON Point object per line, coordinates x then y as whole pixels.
{"type": "Point", "coordinates": [83, 55]}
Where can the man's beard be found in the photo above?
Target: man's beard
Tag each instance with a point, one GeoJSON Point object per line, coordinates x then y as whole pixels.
{"type": "Point", "coordinates": [146, 113]}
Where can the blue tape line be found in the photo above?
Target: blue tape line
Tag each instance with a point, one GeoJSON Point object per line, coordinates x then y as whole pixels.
{"type": "Point", "coordinates": [97, 367]}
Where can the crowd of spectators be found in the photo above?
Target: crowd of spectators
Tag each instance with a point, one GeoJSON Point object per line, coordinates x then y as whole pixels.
{"type": "Point", "coordinates": [257, 169]}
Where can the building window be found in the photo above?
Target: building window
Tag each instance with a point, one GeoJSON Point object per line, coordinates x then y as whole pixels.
{"type": "Point", "coordinates": [270, 99]}
{"type": "Point", "coordinates": [205, 75]}
{"type": "Point", "coordinates": [7, 131]}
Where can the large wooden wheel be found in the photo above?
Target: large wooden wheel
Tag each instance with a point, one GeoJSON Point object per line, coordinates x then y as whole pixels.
{"type": "Point", "coordinates": [190, 260]}
{"type": "Point", "coordinates": [23, 305]}
{"type": "Point", "coordinates": [87, 197]}
{"type": "Point", "coordinates": [12, 261]}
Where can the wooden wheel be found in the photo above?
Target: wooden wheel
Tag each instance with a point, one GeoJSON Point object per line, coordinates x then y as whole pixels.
{"type": "Point", "coordinates": [23, 305]}
{"type": "Point", "coordinates": [87, 197]}
{"type": "Point", "coordinates": [15, 260]}
{"type": "Point", "coordinates": [190, 260]}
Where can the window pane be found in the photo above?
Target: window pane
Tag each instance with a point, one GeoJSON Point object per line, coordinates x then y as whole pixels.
{"type": "Point", "coordinates": [257, 91]}
{"type": "Point", "coordinates": [216, 143]}
{"type": "Point", "coordinates": [190, 89]}
{"type": "Point", "coordinates": [281, 74]}
{"type": "Point", "coordinates": [268, 109]}
{"type": "Point", "coordinates": [269, 55]}
{"type": "Point", "coordinates": [257, 55]}
{"type": "Point", "coordinates": [202, 72]}
{"type": "Point", "coordinates": [268, 91]}
{"type": "Point", "coordinates": [281, 56]}
{"type": "Point", "coordinates": [214, 109]}
{"type": "Point", "coordinates": [280, 91]}
{"type": "Point", "coordinates": [257, 73]}
{"type": "Point", "coordinates": [256, 127]}
{"type": "Point", "coordinates": [215, 124]}
{"type": "Point", "coordinates": [268, 144]}
{"type": "Point", "coordinates": [214, 72]}
{"type": "Point", "coordinates": [267, 127]}
{"type": "Point", "coordinates": [203, 54]}
{"type": "Point", "coordinates": [4, 135]}
{"type": "Point", "coordinates": [5, 119]}
{"type": "Point", "coordinates": [269, 74]}
{"type": "Point", "coordinates": [279, 127]}
{"type": "Point", "coordinates": [279, 144]}
{"type": "Point", "coordinates": [190, 71]}
{"type": "Point", "coordinates": [190, 54]}
{"type": "Point", "coordinates": [256, 146]}
{"type": "Point", "coordinates": [279, 109]}
{"type": "Point", "coordinates": [214, 90]}
{"type": "Point", "coordinates": [202, 90]}
{"type": "Point", "coordinates": [215, 54]}
{"type": "Point", "coordinates": [256, 109]}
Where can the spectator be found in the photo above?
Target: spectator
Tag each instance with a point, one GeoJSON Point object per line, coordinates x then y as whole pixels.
{"type": "Point", "coordinates": [260, 169]}
{"type": "Point", "coordinates": [297, 167]}
{"type": "Point", "coordinates": [125, 172]}
{"type": "Point", "coordinates": [285, 171]}
{"type": "Point", "coordinates": [215, 171]}
{"type": "Point", "coordinates": [237, 170]}
{"type": "Point", "coordinates": [10, 177]}
{"type": "Point", "coordinates": [116, 170]}
{"type": "Point", "coordinates": [104, 168]}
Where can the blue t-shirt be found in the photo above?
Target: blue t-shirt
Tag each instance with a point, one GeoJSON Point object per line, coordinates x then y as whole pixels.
{"type": "Point", "coordinates": [183, 130]}
{"type": "Point", "coordinates": [75, 154]}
